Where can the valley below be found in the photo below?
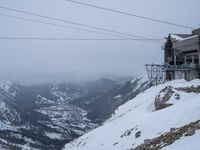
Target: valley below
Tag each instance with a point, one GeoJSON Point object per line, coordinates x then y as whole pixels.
{"type": "Point", "coordinates": [49, 115]}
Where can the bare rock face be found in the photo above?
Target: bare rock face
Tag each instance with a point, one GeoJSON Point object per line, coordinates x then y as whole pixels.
{"type": "Point", "coordinates": [192, 89]}
{"type": "Point", "coordinates": [169, 137]}
{"type": "Point", "coordinates": [147, 141]}
{"type": "Point", "coordinates": [190, 132]}
{"type": "Point", "coordinates": [138, 134]}
{"type": "Point", "coordinates": [163, 97]}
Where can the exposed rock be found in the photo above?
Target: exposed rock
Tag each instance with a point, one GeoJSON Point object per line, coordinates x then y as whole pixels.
{"type": "Point", "coordinates": [138, 134]}
{"type": "Point", "coordinates": [163, 97]}
{"type": "Point", "coordinates": [155, 140]}
{"type": "Point", "coordinates": [169, 137]}
{"type": "Point", "coordinates": [192, 89]}
{"type": "Point", "coordinates": [115, 143]}
{"type": "Point", "coordinates": [177, 96]}
{"type": "Point", "coordinates": [147, 141]}
{"type": "Point", "coordinates": [172, 129]}
{"type": "Point", "coordinates": [190, 132]}
{"type": "Point", "coordinates": [128, 132]}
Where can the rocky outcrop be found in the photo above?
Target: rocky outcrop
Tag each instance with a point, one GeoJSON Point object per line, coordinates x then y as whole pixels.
{"type": "Point", "coordinates": [169, 137]}
{"type": "Point", "coordinates": [192, 89]}
{"type": "Point", "coordinates": [163, 97]}
{"type": "Point", "coordinates": [138, 134]}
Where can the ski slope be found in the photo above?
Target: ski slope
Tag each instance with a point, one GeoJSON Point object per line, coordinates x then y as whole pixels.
{"type": "Point", "coordinates": [138, 120]}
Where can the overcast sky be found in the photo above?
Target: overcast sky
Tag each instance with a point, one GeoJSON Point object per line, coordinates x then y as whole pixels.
{"type": "Point", "coordinates": [41, 60]}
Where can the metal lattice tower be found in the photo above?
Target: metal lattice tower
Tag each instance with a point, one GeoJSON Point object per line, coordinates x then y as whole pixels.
{"type": "Point", "coordinates": [156, 73]}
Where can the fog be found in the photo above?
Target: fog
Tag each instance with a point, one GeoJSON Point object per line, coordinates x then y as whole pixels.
{"type": "Point", "coordinates": [30, 60]}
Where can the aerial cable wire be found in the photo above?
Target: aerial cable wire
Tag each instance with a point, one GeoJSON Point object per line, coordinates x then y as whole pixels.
{"type": "Point", "coordinates": [79, 24]}
{"type": "Point", "coordinates": [130, 14]}
{"type": "Point", "coordinates": [58, 25]}
{"type": "Point", "coordinates": [67, 39]}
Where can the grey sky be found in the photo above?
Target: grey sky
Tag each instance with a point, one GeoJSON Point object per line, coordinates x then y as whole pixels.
{"type": "Point", "coordinates": [59, 59]}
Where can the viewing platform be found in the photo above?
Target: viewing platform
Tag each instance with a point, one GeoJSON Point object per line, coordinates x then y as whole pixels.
{"type": "Point", "coordinates": [183, 67]}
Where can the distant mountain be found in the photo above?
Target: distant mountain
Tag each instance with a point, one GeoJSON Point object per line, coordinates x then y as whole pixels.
{"type": "Point", "coordinates": [166, 116]}
{"type": "Point", "coordinates": [101, 106]}
{"type": "Point", "coordinates": [46, 116]}
{"type": "Point", "coordinates": [22, 121]}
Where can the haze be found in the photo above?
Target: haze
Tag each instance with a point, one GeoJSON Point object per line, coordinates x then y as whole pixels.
{"type": "Point", "coordinates": [22, 60]}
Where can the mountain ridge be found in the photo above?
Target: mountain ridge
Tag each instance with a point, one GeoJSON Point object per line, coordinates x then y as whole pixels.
{"type": "Point", "coordinates": [46, 116]}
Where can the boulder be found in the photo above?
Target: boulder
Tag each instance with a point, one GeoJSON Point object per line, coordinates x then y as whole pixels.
{"type": "Point", "coordinates": [163, 97]}
{"type": "Point", "coordinates": [190, 132]}
{"type": "Point", "coordinates": [147, 141]}
{"type": "Point", "coordinates": [138, 134]}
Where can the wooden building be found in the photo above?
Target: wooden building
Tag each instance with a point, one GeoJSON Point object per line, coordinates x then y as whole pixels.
{"type": "Point", "coordinates": [182, 56]}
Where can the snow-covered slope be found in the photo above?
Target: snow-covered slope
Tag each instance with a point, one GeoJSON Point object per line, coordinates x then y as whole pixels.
{"type": "Point", "coordinates": [139, 120]}
{"type": "Point", "coordinates": [48, 115]}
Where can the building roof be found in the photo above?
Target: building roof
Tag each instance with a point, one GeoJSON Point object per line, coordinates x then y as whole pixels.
{"type": "Point", "coordinates": [179, 37]}
{"type": "Point", "coordinates": [184, 35]}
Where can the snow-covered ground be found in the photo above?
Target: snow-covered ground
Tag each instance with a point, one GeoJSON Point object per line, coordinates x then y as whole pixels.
{"type": "Point", "coordinates": [137, 120]}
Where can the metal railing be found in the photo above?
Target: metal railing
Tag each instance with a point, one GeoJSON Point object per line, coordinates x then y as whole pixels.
{"type": "Point", "coordinates": [181, 67]}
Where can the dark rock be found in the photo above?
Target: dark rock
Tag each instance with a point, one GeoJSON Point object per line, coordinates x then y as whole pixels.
{"type": "Point", "coordinates": [127, 132]}
{"type": "Point", "coordinates": [190, 132]}
{"type": "Point", "coordinates": [155, 140]}
{"type": "Point", "coordinates": [115, 143]}
{"type": "Point", "coordinates": [177, 96]}
{"type": "Point", "coordinates": [138, 134]}
{"type": "Point", "coordinates": [172, 129]}
{"type": "Point", "coordinates": [147, 141]}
